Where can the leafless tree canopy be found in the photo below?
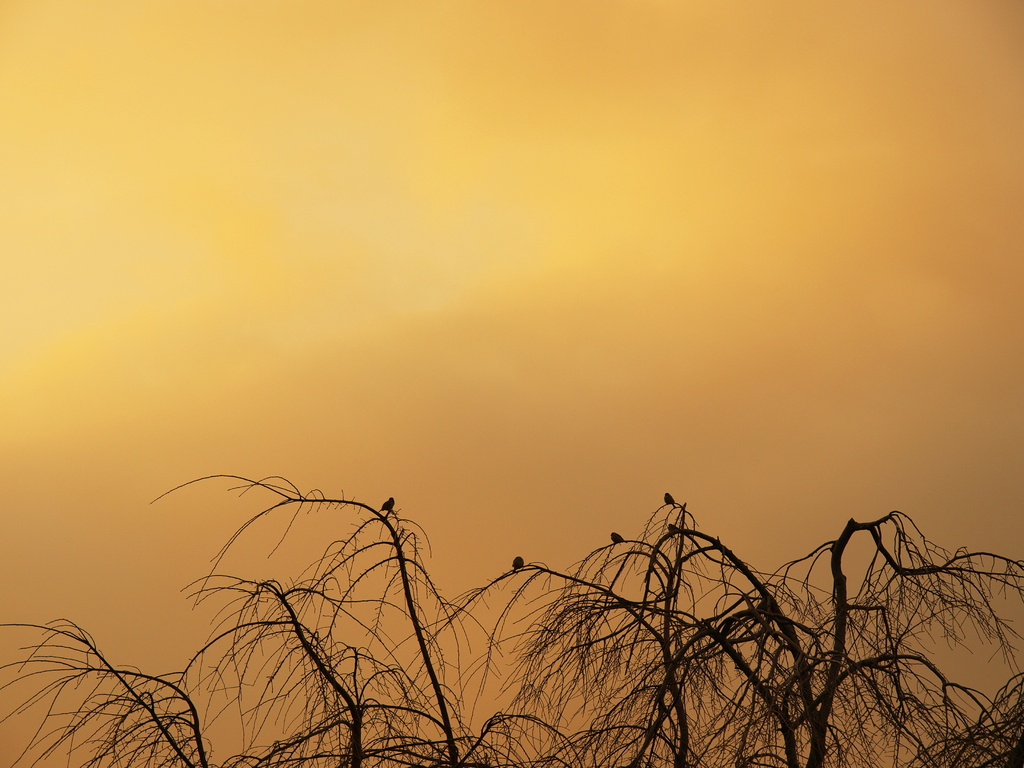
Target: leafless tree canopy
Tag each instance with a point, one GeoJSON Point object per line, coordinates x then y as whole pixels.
{"type": "Point", "coordinates": [664, 650]}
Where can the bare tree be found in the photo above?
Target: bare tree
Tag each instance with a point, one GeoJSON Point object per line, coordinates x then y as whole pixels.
{"type": "Point", "coordinates": [664, 650]}
{"type": "Point", "coordinates": [672, 651]}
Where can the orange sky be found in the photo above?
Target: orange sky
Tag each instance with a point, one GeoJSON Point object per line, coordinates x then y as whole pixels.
{"type": "Point", "coordinates": [524, 266]}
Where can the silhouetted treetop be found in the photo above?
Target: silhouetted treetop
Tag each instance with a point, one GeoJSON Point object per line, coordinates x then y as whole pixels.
{"type": "Point", "coordinates": [664, 649]}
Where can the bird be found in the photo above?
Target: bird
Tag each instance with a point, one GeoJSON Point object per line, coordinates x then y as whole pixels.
{"type": "Point", "coordinates": [518, 563]}
{"type": "Point", "coordinates": [616, 538]}
{"type": "Point", "coordinates": [388, 505]}
{"type": "Point", "coordinates": [672, 528]}
{"type": "Point", "coordinates": [669, 499]}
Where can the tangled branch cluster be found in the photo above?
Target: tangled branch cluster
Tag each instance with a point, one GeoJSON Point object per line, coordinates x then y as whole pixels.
{"type": "Point", "coordinates": [667, 650]}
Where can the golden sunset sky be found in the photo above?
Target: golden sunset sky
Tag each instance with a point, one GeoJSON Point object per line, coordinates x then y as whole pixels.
{"type": "Point", "coordinates": [524, 266]}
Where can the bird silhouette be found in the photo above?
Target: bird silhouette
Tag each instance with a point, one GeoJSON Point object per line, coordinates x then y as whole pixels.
{"type": "Point", "coordinates": [672, 528]}
{"type": "Point", "coordinates": [388, 505]}
{"type": "Point", "coordinates": [518, 563]}
{"type": "Point", "coordinates": [616, 538]}
{"type": "Point", "coordinates": [669, 499]}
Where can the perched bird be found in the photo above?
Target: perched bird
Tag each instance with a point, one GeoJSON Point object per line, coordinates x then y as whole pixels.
{"type": "Point", "coordinates": [388, 505]}
{"type": "Point", "coordinates": [518, 563]}
{"type": "Point", "coordinates": [669, 499]}
{"type": "Point", "coordinates": [672, 528]}
{"type": "Point", "coordinates": [616, 538]}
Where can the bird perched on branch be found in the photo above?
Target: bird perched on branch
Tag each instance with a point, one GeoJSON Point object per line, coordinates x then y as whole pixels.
{"type": "Point", "coordinates": [669, 499]}
{"type": "Point", "coordinates": [388, 505]}
{"type": "Point", "coordinates": [616, 538]}
{"type": "Point", "coordinates": [673, 528]}
{"type": "Point", "coordinates": [518, 563]}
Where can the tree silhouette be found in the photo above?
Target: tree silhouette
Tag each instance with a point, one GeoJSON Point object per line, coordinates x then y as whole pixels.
{"type": "Point", "coordinates": [664, 650]}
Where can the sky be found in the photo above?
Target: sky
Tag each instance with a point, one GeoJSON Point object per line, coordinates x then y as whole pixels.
{"type": "Point", "coordinates": [523, 266]}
